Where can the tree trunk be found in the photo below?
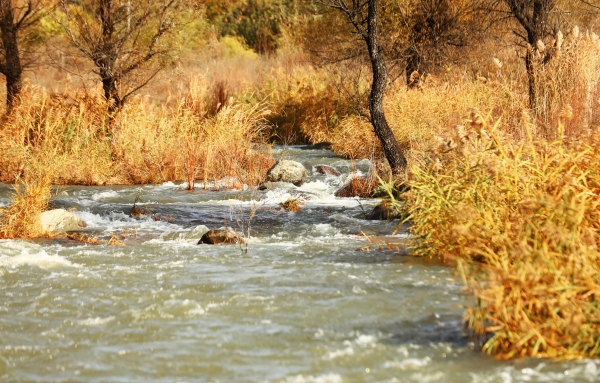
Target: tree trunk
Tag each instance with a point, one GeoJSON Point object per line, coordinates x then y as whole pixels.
{"type": "Point", "coordinates": [531, 69]}
{"type": "Point", "coordinates": [111, 92]}
{"type": "Point", "coordinates": [11, 67]}
{"type": "Point", "coordinates": [106, 62]}
{"type": "Point", "coordinates": [391, 149]}
{"type": "Point", "coordinates": [533, 16]}
{"type": "Point", "coordinates": [413, 64]}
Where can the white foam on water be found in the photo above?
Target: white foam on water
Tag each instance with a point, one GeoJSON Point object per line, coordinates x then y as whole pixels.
{"type": "Point", "coordinates": [366, 340]}
{"type": "Point", "coordinates": [347, 351]}
{"type": "Point", "coordinates": [105, 195]}
{"type": "Point", "coordinates": [426, 378]}
{"type": "Point", "coordinates": [177, 307]}
{"type": "Point", "coordinates": [326, 378]}
{"type": "Point", "coordinates": [37, 258]}
{"type": "Point", "coordinates": [585, 371]}
{"type": "Point", "coordinates": [591, 372]}
{"type": "Point", "coordinates": [408, 364]}
{"type": "Point", "coordinates": [314, 186]}
{"type": "Point", "coordinates": [95, 321]}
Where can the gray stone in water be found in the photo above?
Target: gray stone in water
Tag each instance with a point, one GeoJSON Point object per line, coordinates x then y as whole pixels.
{"type": "Point", "coordinates": [273, 185]}
{"type": "Point", "coordinates": [327, 170]}
{"type": "Point", "coordinates": [384, 211]}
{"type": "Point", "coordinates": [193, 235]}
{"type": "Point", "coordinates": [60, 221]}
{"type": "Point", "coordinates": [287, 171]}
{"type": "Point", "coordinates": [217, 236]}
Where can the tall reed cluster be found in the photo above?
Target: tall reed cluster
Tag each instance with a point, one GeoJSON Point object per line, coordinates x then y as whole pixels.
{"type": "Point", "coordinates": [416, 116]}
{"type": "Point", "coordinates": [517, 205]}
{"type": "Point", "coordinates": [566, 71]}
{"type": "Point", "coordinates": [145, 143]}
{"type": "Point", "coordinates": [521, 219]}
{"type": "Point", "coordinates": [22, 218]}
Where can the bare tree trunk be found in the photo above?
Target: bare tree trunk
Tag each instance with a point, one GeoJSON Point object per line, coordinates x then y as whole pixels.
{"type": "Point", "coordinates": [392, 150]}
{"type": "Point", "coordinates": [111, 91]}
{"type": "Point", "coordinates": [533, 16]}
{"type": "Point", "coordinates": [531, 69]}
{"type": "Point", "coordinates": [105, 62]}
{"type": "Point", "coordinates": [11, 66]}
{"type": "Point", "coordinates": [413, 64]}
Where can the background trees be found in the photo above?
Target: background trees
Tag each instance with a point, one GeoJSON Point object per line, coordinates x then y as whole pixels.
{"type": "Point", "coordinates": [128, 42]}
{"type": "Point", "coordinates": [364, 17]}
{"type": "Point", "coordinates": [17, 17]}
{"type": "Point", "coordinates": [438, 31]}
{"type": "Point", "coordinates": [534, 18]}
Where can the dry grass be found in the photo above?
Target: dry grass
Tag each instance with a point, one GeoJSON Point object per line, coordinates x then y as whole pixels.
{"type": "Point", "coordinates": [21, 219]}
{"type": "Point", "coordinates": [521, 219]}
{"type": "Point", "coordinates": [514, 204]}
{"type": "Point", "coordinates": [567, 71]}
{"type": "Point", "coordinates": [145, 144]}
{"type": "Point", "coordinates": [567, 90]}
{"type": "Point", "coordinates": [292, 204]}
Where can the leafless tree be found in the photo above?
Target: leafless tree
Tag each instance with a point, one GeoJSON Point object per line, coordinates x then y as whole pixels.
{"type": "Point", "coordinates": [436, 30]}
{"type": "Point", "coordinates": [363, 15]}
{"type": "Point", "coordinates": [16, 17]}
{"type": "Point", "coordinates": [127, 40]}
{"type": "Point", "coordinates": [533, 16]}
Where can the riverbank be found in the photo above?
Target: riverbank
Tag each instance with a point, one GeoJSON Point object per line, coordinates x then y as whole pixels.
{"type": "Point", "coordinates": [303, 305]}
{"type": "Point", "coordinates": [508, 193]}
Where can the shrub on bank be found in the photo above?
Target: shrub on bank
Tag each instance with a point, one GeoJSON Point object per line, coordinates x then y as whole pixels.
{"type": "Point", "coordinates": [521, 219]}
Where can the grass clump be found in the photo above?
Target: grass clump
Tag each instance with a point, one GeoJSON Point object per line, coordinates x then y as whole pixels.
{"type": "Point", "coordinates": [21, 219]}
{"type": "Point", "coordinates": [144, 144]}
{"type": "Point", "coordinates": [521, 219]}
{"type": "Point", "coordinates": [292, 204]}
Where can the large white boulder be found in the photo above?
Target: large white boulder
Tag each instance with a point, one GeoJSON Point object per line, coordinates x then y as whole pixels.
{"type": "Point", "coordinates": [287, 171]}
{"type": "Point", "coordinates": [60, 221]}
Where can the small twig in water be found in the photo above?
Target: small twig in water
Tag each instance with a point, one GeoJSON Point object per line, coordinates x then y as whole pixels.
{"type": "Point", "coordinates": [361, 207]}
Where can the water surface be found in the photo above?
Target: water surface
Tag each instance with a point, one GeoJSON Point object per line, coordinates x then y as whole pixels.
{"type": "Point", "coordinates": [302, 305]}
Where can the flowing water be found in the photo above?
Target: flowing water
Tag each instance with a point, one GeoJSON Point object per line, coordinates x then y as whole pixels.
{"type": "Point", "coordinates": [301, 305]}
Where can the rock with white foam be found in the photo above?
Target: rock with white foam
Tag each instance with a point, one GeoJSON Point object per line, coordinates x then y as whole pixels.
{"type": "Point", "coordinates": [287, 171]}
{"type": "Point", "coordinates": [327, 170]}
{"type": "Point", "coordinates": [220, 236]}
{"type": "Point", "coordinates": [60, 221]}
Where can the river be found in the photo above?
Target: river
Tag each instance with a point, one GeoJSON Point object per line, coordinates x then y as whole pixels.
{"type": "Point", "coordinates": [303, 304]}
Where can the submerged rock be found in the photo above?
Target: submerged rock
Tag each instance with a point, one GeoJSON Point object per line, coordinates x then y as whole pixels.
{"type": "Point", "coordinates": [217, 236]}
{"type": "Point", "coordinates": [318, 146]}
{"type": "Point", "coordinates": [60, 221]}
{"type": "Point", "coordinates": [287, 171]}
{"type": "Point", "coordinates": [327, 170]}
{"type": "Point", "coordinates": [193, 235]}
{"type": "Point", "coordinates": [384, 211]}
{"type": "Point", "coordinates": [273, 185]}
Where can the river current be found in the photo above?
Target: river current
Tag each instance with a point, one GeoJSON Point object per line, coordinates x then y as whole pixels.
{"type": "Point", "coordinates": [303, 304]}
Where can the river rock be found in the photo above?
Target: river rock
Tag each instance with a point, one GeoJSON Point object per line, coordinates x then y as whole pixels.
{"type": "Point", "coordinates": [287, 171]}
{"type": "Point", "coordinates": [273, 185]}
{"type": "Point", "coordinates": [217, 236]}
{"type": "Point", "coordinates": [60, 221]}
{"type": "Point", "coordinates": [327, 170]}
{"type": "Point", "coordinates": [356, 187]}
{"type": "Point", "coordinates": [193, 235]}
{"type": "Point", "coordinates": [384, 211]}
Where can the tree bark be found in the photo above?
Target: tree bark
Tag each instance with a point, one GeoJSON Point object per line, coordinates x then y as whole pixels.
{"type": "Point", "coordinates": [105, 61]}
{"type": "Point", "coordinates": [533, 16]}
{"type": "Point", "coordinates": [390, 146]}
{"type": "Point", "coordinates": [111, 91]}
{"type": "Point", "coordinates": [413, 64]}
{"type": "Point", "coordinates": [11, 66]}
